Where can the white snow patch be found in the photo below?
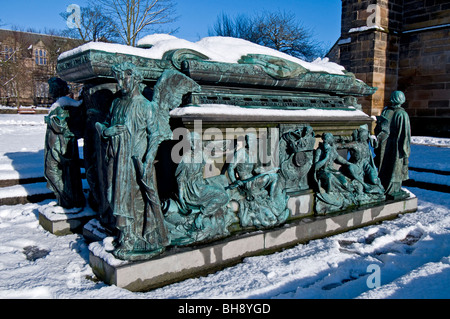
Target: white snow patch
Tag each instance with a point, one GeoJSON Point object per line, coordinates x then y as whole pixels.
{"type": "Point", "coordinates": [428, 140]}
{"type": "Point", "coordinates": [365, 28]}
{"type": "Point", "coordinates": [53, 212]}
{"type": "Point", "coordinates": [223, 109]}
{"type": "Point", "coordinates": [102, 249]}
{"type": "Point", "coordinates": [345, 41]}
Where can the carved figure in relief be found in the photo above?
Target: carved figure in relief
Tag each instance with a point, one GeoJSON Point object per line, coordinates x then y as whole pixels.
{"type": "Point", "coordinates": [205, 198]}
{"type": "Point", "coordinates": [334, 190]}
{"type": "Point", "coordinates": [364, 170]}
{"type": "Point", "coordinates": [262, 201]}
{"type": "Point", "coordinates": [296, 156]}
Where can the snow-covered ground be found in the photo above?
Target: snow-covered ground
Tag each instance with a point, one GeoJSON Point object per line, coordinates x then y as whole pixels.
{"type": "Point", "coordinates": [408, 257]}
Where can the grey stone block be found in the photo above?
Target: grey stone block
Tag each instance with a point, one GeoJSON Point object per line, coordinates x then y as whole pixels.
{"type": "Point", "coordinates": [62, 224]}
{"type": "Point", "coordinates": [180, 263]}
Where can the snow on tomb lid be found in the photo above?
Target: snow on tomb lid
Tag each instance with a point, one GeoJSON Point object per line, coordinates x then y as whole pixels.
{"type": "Point", "coordinates": [217, 49]}
{"type": "Point", "coordinates": [212, 60]}
{"type": "Point", "coordinates": [149, 41]}
{"type": "Point", "coordinates": [238, 113]}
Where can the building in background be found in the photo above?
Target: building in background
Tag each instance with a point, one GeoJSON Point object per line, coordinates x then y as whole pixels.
{"type": "Point", "coordinates": [400, 45]}
{"type": "Point", "coordinates": [27, 61]}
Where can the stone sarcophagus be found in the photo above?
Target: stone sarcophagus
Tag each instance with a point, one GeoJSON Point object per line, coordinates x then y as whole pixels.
{"type": "Point", "coordinates": [200, 154]}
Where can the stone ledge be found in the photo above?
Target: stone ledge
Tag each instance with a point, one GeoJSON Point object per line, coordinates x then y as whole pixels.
{"type": "Point", "coordinates": [181, 263]}
{"type": "Point", "coordinates": [61, 222]}
{"type": "Point", "coordinates": [63, 227]}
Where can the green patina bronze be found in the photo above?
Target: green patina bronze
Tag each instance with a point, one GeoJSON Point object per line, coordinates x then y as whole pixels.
{"type": "Point", "coordinates": [61, 158]}
{"type": "Point", "coordinates": [355, 183]}
{"type": "Point", "coordinates": [257, 189]}
{"type": "Point", "coordinates": [201, 212]}
{"type": "Point", "coordinates": [133, 131]}
{"type": "Point", "coordinates": [257, 80]}
{"type": "Point", "coordinates": [394, 146]}
{"type": "Point", "coordinates": [363, 169]}
{"type": "Point", "coordinates": [151, 203]}
{"type": "Point", "coordinates": [334, 189]}
{"type": "Point", "coordinates": [296, 157]}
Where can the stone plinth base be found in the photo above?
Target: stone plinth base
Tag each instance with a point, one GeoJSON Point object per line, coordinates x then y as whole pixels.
{"type": "Point", "coordinates": [93, 231]}
{"type": "Point", "coordinates": [301, 204]}
{"type": "Point", "coordinates": [60, 221]}
{"type": "Point", "coordinates": [180, 263]}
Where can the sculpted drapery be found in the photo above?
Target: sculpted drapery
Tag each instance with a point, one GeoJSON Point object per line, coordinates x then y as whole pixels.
{"type": "Point", "coordinates": [134, 130]}
{"type": "Point", "coordinates": [132, 145]}
{"type": "Point", "coordinates": [394, 139]}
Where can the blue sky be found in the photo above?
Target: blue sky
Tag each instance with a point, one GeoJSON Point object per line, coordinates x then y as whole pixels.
{"type": "Point", "coordinates": [195, 16]}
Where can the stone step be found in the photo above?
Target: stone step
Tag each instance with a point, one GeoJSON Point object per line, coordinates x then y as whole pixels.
{"type": "Point", "coordinates": [427, 185]}
{"type": "Point", "coordinates": [23, 185]}
{"type": "Point", "coordinates": [22, 173]}
{"type": "Point", "coordinates": [23, 176]}
{"type": "Point", "coordinates": [28, 193]}
{"type": "Point", "coordinates": [428, 170]}
{"type": "Point", "coordinates": [21, 181]}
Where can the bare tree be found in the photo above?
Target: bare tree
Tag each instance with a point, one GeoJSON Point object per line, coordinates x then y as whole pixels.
{"type": "Point", "coordinates": [94, 26]}
{"type": "Point", "coordinates": [13, 79]}
{"type": "Point", "coordinates": [7, 75]}
{"type": "Point", "coordinates": [277, 30]}
{"type": "Point", "coordinates": [133, 18]}
{"type": "Point", "coordinates": [7, 54]}
{"type": "Point", "coordinates": [22, 71]}
{"type": "Point", "coordinates": [239, 27]}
